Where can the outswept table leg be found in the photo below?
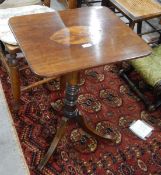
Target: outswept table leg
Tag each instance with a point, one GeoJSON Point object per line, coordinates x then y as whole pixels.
{"type": "Point", "coordinates": [58, 136]}
{"type": "Point", "coordinates": [70, 112]}
{"type": "Point", "coordinates": [93, 132]}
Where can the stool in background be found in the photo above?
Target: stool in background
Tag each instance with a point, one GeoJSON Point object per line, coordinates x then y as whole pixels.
{"type": "Point", "coordinates": [150, 70]}
{"type": "Point", "coordinates": [10, 46]}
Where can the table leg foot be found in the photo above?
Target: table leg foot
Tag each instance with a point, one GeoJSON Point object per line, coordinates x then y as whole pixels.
{"type": "Point", "coordinates": [58, 136]}
{"type": "Point", "coordinates": [110, 137]}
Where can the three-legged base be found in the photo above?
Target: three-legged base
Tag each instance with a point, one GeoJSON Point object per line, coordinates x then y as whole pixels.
{"type": "Point", "coordinates": [71, 112]}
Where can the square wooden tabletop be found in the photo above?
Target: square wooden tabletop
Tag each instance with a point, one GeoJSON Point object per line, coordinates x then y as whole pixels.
{"type": "Point", "coordinates": [62, 42]}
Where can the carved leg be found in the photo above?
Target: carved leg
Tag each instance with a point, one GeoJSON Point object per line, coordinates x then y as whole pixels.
{"type": "Point", "coordinates": [58, 136]}
{"type": "Point", "coordinates": [15, 79]}
{"type": "Point", "coordinates": [70, 110]}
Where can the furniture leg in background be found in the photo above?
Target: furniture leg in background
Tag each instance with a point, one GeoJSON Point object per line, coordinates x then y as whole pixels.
{"type": "Point", "coordinates": [15, 79]}
{"type": "Point", "coordinates": [9, 51]}
{"type": "Point", "coordinates": [149, 68]}
{"type": "Point", "coordinates": [142, 12]}
{"type": "Point", "coordinates": [139, 11]}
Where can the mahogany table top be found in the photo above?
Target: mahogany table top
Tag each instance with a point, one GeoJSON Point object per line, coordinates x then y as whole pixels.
{"type": "Point", "coordinates": [57, 43]}
{"type": "Point", "coordinates": [138, 9]}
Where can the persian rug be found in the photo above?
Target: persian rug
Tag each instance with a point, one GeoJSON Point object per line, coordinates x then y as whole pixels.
{"type": "Point", "coordinates": [107, 104]}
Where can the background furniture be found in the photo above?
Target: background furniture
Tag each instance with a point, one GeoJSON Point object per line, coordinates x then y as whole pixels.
{"type": "Point", "coordinates": [150, 70]}
{"type": "Point", "coordinates": [18, 3]}
{"type": "Point", "coordinates": [10, 46]}
{"type": "Point", "coordinates": [137, 11]}
{"type": "Point", "coordinates": [80, 40]}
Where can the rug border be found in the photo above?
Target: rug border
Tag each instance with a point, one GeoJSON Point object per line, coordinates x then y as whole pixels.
{"type": "Point", "coordinates": [24, 163]}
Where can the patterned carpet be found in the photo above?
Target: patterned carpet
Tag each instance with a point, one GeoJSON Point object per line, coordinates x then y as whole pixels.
{"type": "Point", "coordinates": [106, 102]}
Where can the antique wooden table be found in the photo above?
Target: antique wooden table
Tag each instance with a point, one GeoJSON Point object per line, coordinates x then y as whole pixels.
{"type": "Point", "coordinates": [66, 42]}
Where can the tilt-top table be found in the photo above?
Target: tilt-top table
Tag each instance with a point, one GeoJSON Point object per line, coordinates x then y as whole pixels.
{"type": "Point", "coordinates": [66, 42]}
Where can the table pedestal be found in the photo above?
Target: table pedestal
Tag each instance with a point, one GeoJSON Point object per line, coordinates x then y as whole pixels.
{"type": "Point", "coordinates": [71, 112]}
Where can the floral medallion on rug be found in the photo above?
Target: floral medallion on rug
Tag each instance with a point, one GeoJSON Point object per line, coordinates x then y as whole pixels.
{"type": "Point", "coordinates": [107, 104]}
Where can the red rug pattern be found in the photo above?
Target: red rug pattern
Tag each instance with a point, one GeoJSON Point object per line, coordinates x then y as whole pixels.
{"type": "Point", "coordinates": [106, 102]}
